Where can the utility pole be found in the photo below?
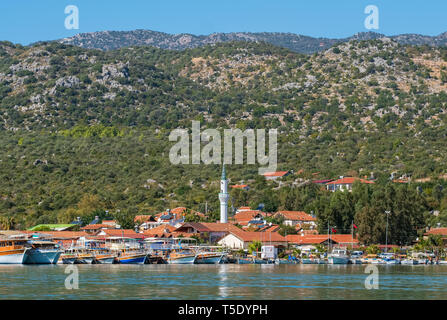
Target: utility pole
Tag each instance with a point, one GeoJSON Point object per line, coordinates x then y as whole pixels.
{"type": "Point", "coordinates": [386, 232]}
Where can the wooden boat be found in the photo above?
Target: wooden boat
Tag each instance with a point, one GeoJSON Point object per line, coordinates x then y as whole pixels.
{"type": "Point", "coordinates": [182, 256]}
{"type": "Point", "coordinates": [309, 261]}
{"type": "Point", "coordinates": [131, 257]}
{"type": "Point", "coordinates": [245, 261]}
{"type": "Point", "coordinates": [209, 257]}
{"type": "Point", "coordinates": [77, 256]}
{"type": "Point", "coordinates": [285, 261]}
{"type": "Point", "coordinates": [104, 258]}
{"type": "Point", "coordinates": [338, 256]}
{"type": "Point", "coordinates": [262, 261]}
{"type": "Point", "coordinates": [410, 262]}
{"type": "Point", "coordinates": [155, 259]}
{"type": "Point", "coordinates": [12, 250]}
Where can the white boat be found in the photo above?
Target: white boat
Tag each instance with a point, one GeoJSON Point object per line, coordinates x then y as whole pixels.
{"type": "Point", "coordinates": [338, 256]}
{"type": "Point", "coordinates": [182, 257]}
{"type": "Point", "coordinates": [209, 257]}
{"type": "Point", "coordinates": [442, 262]}
{"type": "Point", "coordinates": [308, 261]}
{"type": "Point", "coordinates": [42, 252]}
{"type": "Point", "coordinates": [13, 250]}
{"type": "Point", "coordinates": [321, 261]}
{"type": "Point", "coordinates": [410, 262]}
{"type": "Point", "coordinates": [355, 261]}
{"type": "Point", "coordinates": [392, 261]}
{"type": "Point", "coordinates": [422, 261]}
{"type": "Point", "coordinates": [378, 261]}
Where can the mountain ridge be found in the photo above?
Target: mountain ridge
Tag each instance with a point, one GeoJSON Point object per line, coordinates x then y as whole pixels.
{"type": "Point", "coordinates": [110, 40]}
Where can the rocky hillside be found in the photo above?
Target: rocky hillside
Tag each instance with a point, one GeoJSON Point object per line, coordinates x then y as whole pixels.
{"type": "Point", "coordinates": [109, 40]}
{"type": "Point", "coordinates": [85, 129]}
{"type": "Point", "coordinates": [360, 85]}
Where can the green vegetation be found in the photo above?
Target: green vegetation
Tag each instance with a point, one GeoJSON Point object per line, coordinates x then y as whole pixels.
{"type": "Point", "coordinates": [88, 131]}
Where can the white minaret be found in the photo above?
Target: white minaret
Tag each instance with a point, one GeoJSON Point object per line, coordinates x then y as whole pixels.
{"type": "Point", "coordinates": [223, 197]}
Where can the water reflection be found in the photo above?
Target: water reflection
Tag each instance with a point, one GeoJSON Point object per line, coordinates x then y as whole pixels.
{"type": "Point", "coordinates": [223, 278]}
{"type": "Point", "coordinates": [223, 282]}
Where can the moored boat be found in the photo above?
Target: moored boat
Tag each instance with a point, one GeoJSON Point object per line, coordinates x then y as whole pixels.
{"type": "Point", "coordinates": [378, 261]}
{"type": "Point", "coordinates": [182, 256]}
{"type": "Point", "coordinates": [12, 250]}
{"type": "Point", "coordinates": [104, 258]}
{"type": "Point", "coordinates": [309, 261]}
{"type": "Point", "coordinates": [76, 255]}
{"type": "Point", "coordinates": [285, 261]}
{"type": "Point", "coordinates": [409, 262]}
{"type": "Point", "coordinates": [355, 261]}
{"type": "Point", "coordinates": [338, 256]}
{"type": "Point", "coordinates": [209, 258]}
{"type": "Point", "coordinates": [42, 252]}
{"type": "Point", "coordinates": [245, 261]}
{"type": "Point", "coordinates": [131, 257]}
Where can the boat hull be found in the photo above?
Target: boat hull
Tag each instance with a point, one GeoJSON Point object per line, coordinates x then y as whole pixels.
{"type": "Point", "coordinates": [136, 259]}
{"type": "Point", "coordinates": [338, 260]}
{"type": "Point", "coordinates": [108, 260]}
{"type": "Point", "coordinates": [209, 259]}
{"type": "Point", "coordinates": [392, 262]}
{"type": "Point", "coordinates": [182, 260]}
{"type": "Point", "coordinates": [244, 261]}
{"type": "Point", "coordinates": [308, 261]}
{"type": "Point", "coordinates": [36, 256]}
{"type": "Point", "coordinates": [283, 261]}
{"type": "Point", "coordinates": [13, 257]}
{"type": "Point", "coordinates": [355, 261]}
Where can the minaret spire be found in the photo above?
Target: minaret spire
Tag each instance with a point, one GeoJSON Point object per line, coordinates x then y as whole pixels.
{"type": "Point", "coordinates": [224, 196]}
{"type": "Point", "coordinates": [224, 173]}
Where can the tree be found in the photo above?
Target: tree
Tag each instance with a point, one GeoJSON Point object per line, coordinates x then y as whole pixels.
{"type": "Point", "coordinates": [125, 219]}
{"type": "Point", "coordinates": [374, 249]}
{"type": "Point", "coordinates": [286, 229]}
{"type": "Point", "coordinates": [254, 247]}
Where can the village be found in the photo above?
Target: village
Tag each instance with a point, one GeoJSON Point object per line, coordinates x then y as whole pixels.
{"type": "Point", "coordinates": [247, 236]}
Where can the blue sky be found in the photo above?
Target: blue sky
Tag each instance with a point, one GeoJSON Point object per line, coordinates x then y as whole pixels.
{"type": "Point", "coordinates": [26, 21]}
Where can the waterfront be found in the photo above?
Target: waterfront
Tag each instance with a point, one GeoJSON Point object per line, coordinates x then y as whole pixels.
{"type": "Point", "coordinates": [201, 282]}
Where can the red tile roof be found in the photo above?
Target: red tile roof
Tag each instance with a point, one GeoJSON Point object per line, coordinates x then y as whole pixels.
{"type": "Point", "coordinates": [61, 234]}
{"type": "Point", "coordinates": [320, 238]}
{"type": "Point", "coordinates": [179, 210]}
{"type": "Point", "coordinates": [219, 227]}
{"type": "Point", "coordinates": [239, 186]}
{"type": "Point", "coordinates": [349, 180]}
{"type": "Point", "coordinates": [325, 181]}
{"type": "Point", "coordinates": [126, 233]}
{"type": "Point", "coordinates": [248, 236]}
{"type": "Point", "coordinates": [276, 174]}
{"type": "Point", "coordinates": [109, 221]}
{"type": "Point", "coordinates": [164, 229]}
{"type": "Point", "coordinates": [208, 227]}
{"type": "Point", "coordinates": [441, 231]}
{"type": "Point", "coordinates": [272, 228]}
{"type": "Point", "coordinates": [296, 215]}
{"type": "Point", "coordinates": [95, 226]}
{"type": "Point", "coordinates": [243, 217]}
{"type": "Point", "coordinates": [143, 218]}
